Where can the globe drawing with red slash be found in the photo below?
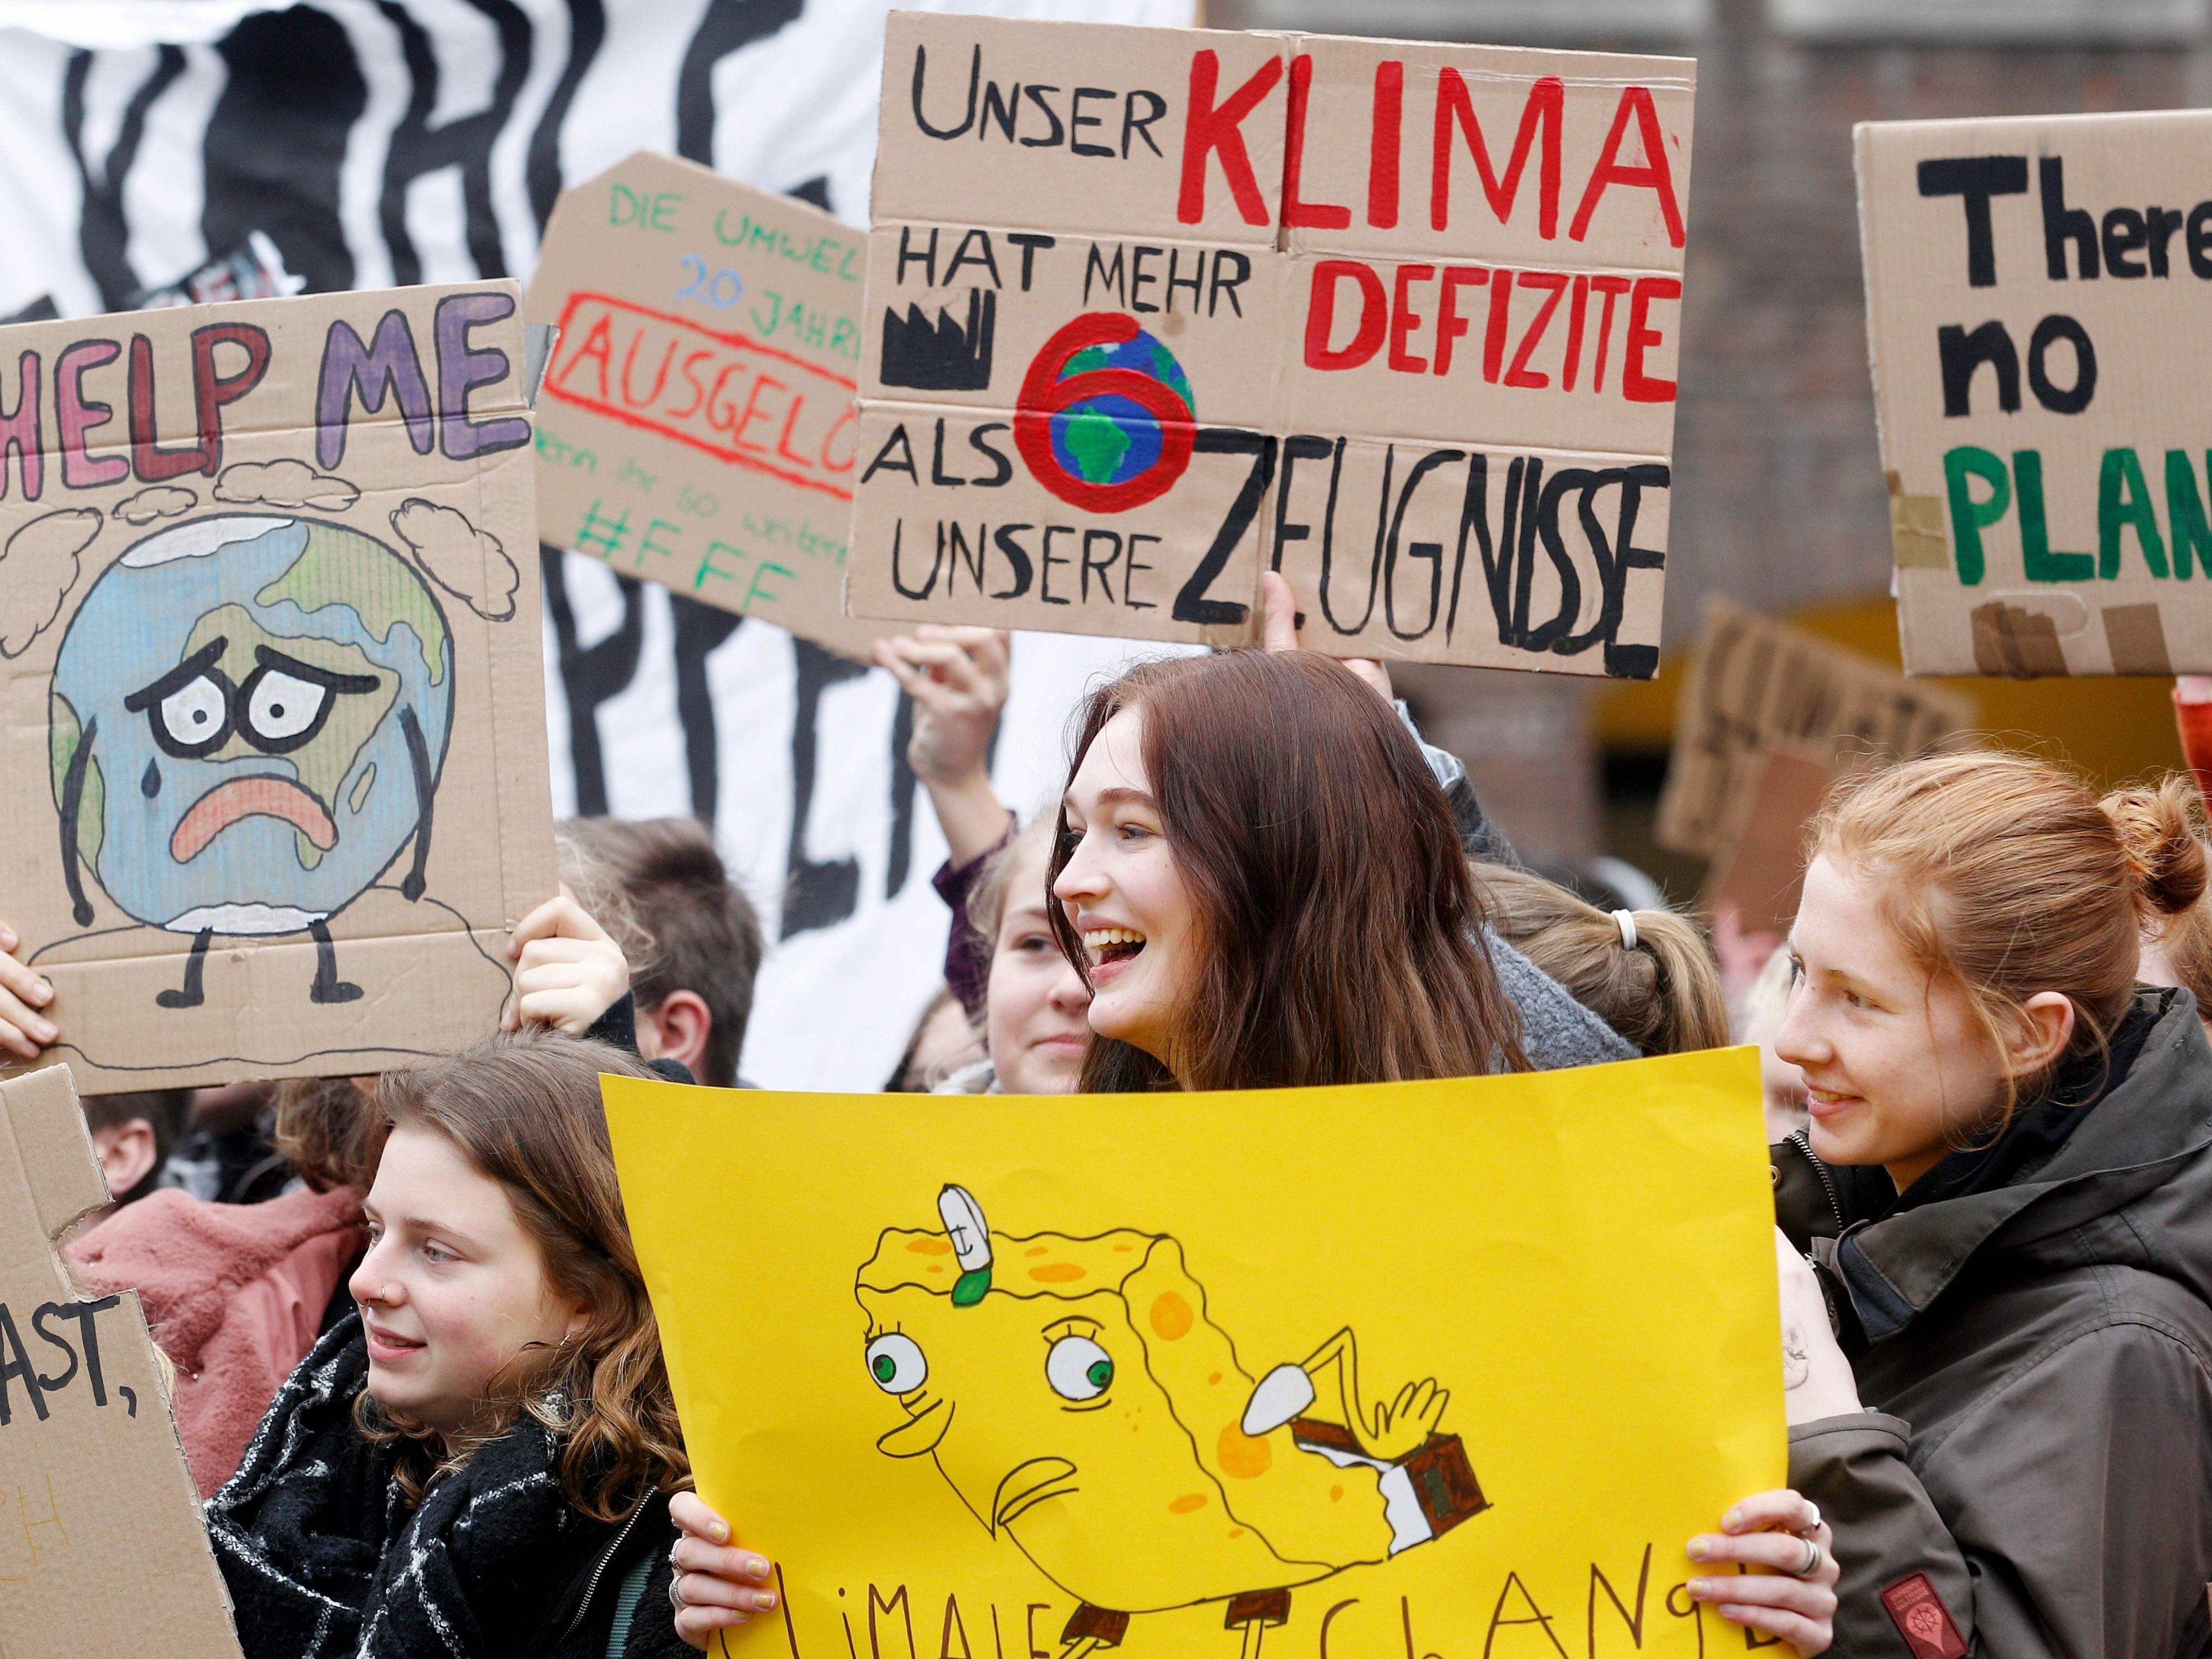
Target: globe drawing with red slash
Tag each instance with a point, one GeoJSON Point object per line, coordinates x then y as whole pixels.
{"type": "Point", "coordinates": [1104, 420]}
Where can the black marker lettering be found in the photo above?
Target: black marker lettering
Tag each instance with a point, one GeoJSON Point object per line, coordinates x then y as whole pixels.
{"type": "Point", "coordinates": [1046, 562]}
{"type": "Point", "coordinates": [1191, 602]}
{"type": "Point", "coordinates": [1077, 120]}
{"type": "Point", "coordinates": [1139, 276]}
{"type": "Point", "coordinates": [1018, 557]}
{"type": "Point", "coordinates": [1029, 241]}
{"type": "Point", "coordinates": [1035, 95]}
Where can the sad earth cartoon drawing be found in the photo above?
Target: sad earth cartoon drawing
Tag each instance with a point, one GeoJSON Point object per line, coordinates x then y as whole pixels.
{"type": "Point", "coordinates": [1077, 1395]}
{"type": "Point", "coordinates": [249, 715]}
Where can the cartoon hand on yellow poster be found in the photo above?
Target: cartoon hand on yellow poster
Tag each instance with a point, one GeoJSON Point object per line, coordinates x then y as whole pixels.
{"type": "Point", "coordinates": [1410, 1372]}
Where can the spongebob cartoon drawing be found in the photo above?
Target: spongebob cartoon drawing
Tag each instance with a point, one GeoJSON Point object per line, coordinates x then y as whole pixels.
{"type": "Point", "coordinates": [1079, 1397]}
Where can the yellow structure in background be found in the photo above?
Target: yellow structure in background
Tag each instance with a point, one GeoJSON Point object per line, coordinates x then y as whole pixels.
{"type": "Point", "coordinates": [1459, 1366]}
{"type": "Point", "coordinates": [2114, 729]}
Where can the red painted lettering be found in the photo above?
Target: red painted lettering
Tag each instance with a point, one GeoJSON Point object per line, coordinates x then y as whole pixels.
{"type": "Point", "coordinates": [1518, 373]}
{"type": "Point", "coordinates": [212, 389]}
{"type": "Point", "coordinates": [597, 346]}
{"type": "Point", "coordinates": [1493, 337]}
{"type": "Point", "coordinates": [19, 431]}
{"type": "Point", "coordinates": [709, 390]}
{"type": "Point", "coordinates": [1611, 288]}
{"type": "Point", "coordinates": [1542, 115]}
{"type": "Point", "coordinates": [1576, 314]}
{"type": "Point", "coordinates": [1654, 175]}
{"type": "Point", "coordinates": [78, 415]}
{"type": "Point", "coordinates": [1635, 384]}
{"type": "Point", "coordinates": [1211, 128]}
{"type": "Point", "coordinates": [1449, 323]}
{"type": "Point", "coordinates": [1404, 319]}
{"type": "Point", "coordinates": [753, 410]}
{"type": "Point", "coordinates": [847, 427]}
{"type": "Point", "coordinates": [155, 464]}
{"type": "Point", "coordinates": [1321, 315]}
{"type": "Point", "coordinates": [660, 382]}
{"type": "Point", "coordinates": [698, 388]}
{"type": "Point", "coordinates": [783, 438]}
{"type": "Point", "coordinates": [1317, 216]}
{"type": "Point", "coordinates": [1382, 145]}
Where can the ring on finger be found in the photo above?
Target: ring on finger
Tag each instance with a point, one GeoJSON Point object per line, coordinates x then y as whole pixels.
{"type": "Point", "coordinates": [1814, 1556]}
{"type": "Point", "coordinates": [675, 1592]}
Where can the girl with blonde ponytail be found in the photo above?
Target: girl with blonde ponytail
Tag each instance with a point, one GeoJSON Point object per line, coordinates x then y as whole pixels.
{"type": "Point", "coordinates": [1999, 1352]}
{"type": "Point", "coordinates": [1646, 973]}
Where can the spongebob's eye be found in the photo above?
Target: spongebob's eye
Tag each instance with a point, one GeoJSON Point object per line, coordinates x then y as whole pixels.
{"type": "Point", "coordinates": [897, 1364]}
{"type": "Point", "coordinates": [1078, 1369]}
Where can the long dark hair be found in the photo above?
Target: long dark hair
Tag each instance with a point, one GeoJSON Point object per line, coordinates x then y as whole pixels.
{"type": "Point", "coordinates": [1340, 928]}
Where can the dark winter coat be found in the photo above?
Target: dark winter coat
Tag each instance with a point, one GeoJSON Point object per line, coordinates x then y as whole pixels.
{"type": "Point", "coordinates": [2034, 1343]}
{"type": "Point", "coordinates": [324, 1560]}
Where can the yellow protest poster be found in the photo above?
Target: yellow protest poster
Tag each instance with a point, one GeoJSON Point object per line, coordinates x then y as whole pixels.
{"type": "Point", "coordinates": [1426, 1370]}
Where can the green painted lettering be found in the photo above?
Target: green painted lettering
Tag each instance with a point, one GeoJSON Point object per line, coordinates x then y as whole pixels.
{"type": "Point", "coordinates": [1969, 517]}
{"type": "Point", "coordinates": [2123, 503]}
{"type": "Point", "coordinates": [2039, 563]}
{"type": "Point", "coordinates": [2184, 511]}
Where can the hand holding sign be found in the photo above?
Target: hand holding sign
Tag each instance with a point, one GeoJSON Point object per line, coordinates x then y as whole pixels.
{"type": "Point", "coordinates": [24, 1031]}
{"type": "Point", "coordinates": [568, 969]}
{"type": "Point", "coordinates": [718, 1584]}
{"type": "Point", "coordinates": [1279, 631]}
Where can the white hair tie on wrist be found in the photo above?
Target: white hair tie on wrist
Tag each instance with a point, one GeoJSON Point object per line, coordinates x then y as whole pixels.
{"type": "Point", "coordinates": [1626, 919]}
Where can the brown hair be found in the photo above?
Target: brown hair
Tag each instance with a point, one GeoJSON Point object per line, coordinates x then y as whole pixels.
{"type": "Point", "coordinates": [661, 889]}
{"type": "Point", "coordinates": [993, 893]}
{"type": "Point", "coordinates": [2002, 874]}
{"type": "Point", "coordinates": [2186, 945]}
{"type": "Point", "coordinates": [1663, 994]}
{"type": "Point", "coordinates": [329, 1130]}
{"type": "Point", "coordinates": [524, 1109]}
{"type": "Point", "coordinates": [1339, 928]}
{"type": "Point", "coordinates": [163, 1110]}
{"type": "Point", "coordinates": [918, 1073]}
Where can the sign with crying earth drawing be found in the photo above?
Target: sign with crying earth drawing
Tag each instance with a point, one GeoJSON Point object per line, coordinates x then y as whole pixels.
{"type": "Point", "coordinates": [1151, 311]}
{"type": "Point", "coordinates": [1167, 1376]}
{"type": "Point", "coordinates": [276, 781]}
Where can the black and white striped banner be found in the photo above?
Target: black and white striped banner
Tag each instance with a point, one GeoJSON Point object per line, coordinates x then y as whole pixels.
{"type": "Point", "coordinates": [376, 143]}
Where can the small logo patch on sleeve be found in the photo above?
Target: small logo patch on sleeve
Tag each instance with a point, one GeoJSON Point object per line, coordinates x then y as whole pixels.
{"type": "Point", "coordinates": [1922, 1619]}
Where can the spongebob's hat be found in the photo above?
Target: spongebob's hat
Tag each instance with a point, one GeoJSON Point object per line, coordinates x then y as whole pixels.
{"type": "Point", "coordinates": [971, 1243]}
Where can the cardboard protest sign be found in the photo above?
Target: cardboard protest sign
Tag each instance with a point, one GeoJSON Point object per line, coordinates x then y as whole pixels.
{"type": "Point", "coordinates": [1759, 867]}
{"type": "Point", "coordinates": [2034, 297]}
{"type": "Point", "coordinates": [1151, 311]}
{"type": "Point", "coordinates": [274, 779]}
{"type": "Point", "coordinates": [1125, 1372]}
{"type": "Point", "coordinates": [100, 1540]}
{"type": "Point", "coordinates": [699, 428]}
{"type": "Point", "coordinates": [1758, 685]}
